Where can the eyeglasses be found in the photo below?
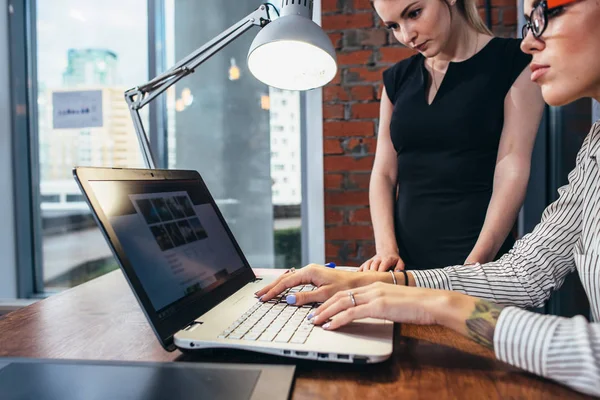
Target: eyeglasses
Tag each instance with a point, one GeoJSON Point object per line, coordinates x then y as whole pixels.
{"type": "Point", "coordinates": [538, 20]}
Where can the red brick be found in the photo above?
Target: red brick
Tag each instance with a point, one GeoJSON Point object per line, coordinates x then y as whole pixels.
{"type": "Point", "coordinates": [366, 250]}
{"type": "Point", "coordinates": [495, 15]}
{"type": "Point", "coordinates": [358, 181]}
{"type": "Point", "coordinates": [360, 215]}
{"type": "Point", "coordinates": [339, 251]}
{"type": "Point", "coordinates": [335, 93]}
{"type": "Point", "coordinates": [348, 128]}
{"type": "Point", "coordinates": [333, 216]}
{"type": "Point", "coordinates": [368, 143]}
{"type": "Point", "coordinates": [347, 198]}
{"type": "Point", "coordinates": [348, 163]}
{"type": "Point", "coordinates": [332, 146]}
{"type": "Point", "coordinates": [365, 37]}
{"type": "Point", "coordinates": [504, 3]}
{"type": "Point", "coordinates": [362, 92]}
{"type": "Point", "coordinates": [336, 39]}
{"type": "Point", "coordinates": [509, 16]}
{"type": "Point", "coordinates": [329, 6]}
{"type": "Point", "coordinates": [363, 5]}
{"type": "Point", "coordinates": [363, 74]}
{"type": "Point", "coordinates": [333, 111]}
{"type": "Point", "coordinates": [333, 181]}
{"type": "Point", "coordinates": [349, 233]}
{"type": "Point", "coordinates": [365, 110]}
{"type": "Point", "coordinates": [394, 54]}
{"type": "Point", "coordinates": [337, 79]}
{"type": "Point", "coordinates": [359, 57]}
{"type": "Point", "coordinates": [347, 21]}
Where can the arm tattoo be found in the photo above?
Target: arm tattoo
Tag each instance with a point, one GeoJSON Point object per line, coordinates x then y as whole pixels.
{"type": "Point", "coordinates": [482, 322]}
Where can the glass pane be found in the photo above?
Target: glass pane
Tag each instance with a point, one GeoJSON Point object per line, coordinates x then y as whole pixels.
{"type": "Point", "coordinates": [242, 136]}
{"type": "Point", "coordinates": [88, 54]}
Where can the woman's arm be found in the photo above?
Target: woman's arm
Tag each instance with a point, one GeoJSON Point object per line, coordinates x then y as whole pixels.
{"type": "Point", "coordinates": [523, 107]}
{"type": "Point", "coordinates": [562, 349]}
{"type": "Point", "coordinates": [382, 191]}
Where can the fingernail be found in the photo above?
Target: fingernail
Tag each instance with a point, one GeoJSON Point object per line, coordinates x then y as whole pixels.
{"type": "Point", "coordinates": [314, 320]}
{"type": "Point", "coordinates": [291, 299]}
{"type": "Point", "coordinates": [326, 326]}
{"type": "Point", "coordinates": [261, 298]}
{"type": "Point", "coordinates": [310, 316]}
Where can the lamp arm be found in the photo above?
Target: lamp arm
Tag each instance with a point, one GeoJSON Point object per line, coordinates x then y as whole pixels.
{"type": "Point", "coordinates": [141, 95]}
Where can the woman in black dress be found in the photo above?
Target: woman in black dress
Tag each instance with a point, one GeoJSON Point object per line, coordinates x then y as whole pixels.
{"type": "Point", "coordinates": [458, 122]}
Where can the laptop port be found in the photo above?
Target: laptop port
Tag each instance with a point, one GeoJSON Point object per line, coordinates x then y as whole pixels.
{"type": "Point", "coordinates": [359, 360]}
{"type": "Point", "coordinates": [287, 352]}
{"type": "Point", "coordinates": [302, 353]}
{"type": "Point", "coordinates": [343, 357]}
{"type": "Point", "coordinates": [322, 355]}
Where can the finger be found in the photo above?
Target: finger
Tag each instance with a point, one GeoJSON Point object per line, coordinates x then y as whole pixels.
{"type": "Point", "coordinates": [385, 265]}
{"type": "Point", "coordinates": [366, 265]}
{"type": "Point", "coordinates": [316, 296]}
{"type": "Point", "coordinates": [399, 265]}
{"type": "Point", "coordinates": [343, 294]}
{"type": "Point", "coordinates": [337, 307]}
{"type": "Point", "coordinates": [288, 281]}
{"type": "Point", "coordinates": [270, 286]}
{"type": "Point", "coordinates": [375, 265]}
{"type": "Point", "coordinates": [349, 315]}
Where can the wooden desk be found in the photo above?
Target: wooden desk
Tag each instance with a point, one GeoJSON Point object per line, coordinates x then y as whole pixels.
{"type": "Point", "coordinates": [102, 320]}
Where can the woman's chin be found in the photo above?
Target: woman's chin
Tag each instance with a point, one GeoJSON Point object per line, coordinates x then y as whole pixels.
{"type": "Point", "coordinates": [556, 96]}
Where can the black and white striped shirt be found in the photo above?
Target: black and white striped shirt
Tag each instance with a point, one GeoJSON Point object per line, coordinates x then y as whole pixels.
{"type": "Point", "coordinates": [566, 350]}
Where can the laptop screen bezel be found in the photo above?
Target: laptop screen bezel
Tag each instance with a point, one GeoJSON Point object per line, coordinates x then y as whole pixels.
{"type": "Point", "coordinates": [189, 307]}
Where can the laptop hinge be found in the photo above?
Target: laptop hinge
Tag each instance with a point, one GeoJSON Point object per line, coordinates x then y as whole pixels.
{"type": "Point", "coordinates": [257, 279]}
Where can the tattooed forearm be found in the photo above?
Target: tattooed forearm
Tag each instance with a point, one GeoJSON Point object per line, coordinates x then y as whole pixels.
{"type": "Point", "coordinates": [482, 322]}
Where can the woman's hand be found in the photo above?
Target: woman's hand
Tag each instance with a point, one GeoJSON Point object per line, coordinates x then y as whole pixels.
{"type": "Point", "coordinates": [382, 301]}
{"type": "Point", "coordinates": [383, 262]}
{"type": "Point", "coordinates": [327, 280]}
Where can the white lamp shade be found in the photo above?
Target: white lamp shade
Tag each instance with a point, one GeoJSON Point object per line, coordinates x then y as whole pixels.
{"type": "Point", "coordinates": [292, 53]}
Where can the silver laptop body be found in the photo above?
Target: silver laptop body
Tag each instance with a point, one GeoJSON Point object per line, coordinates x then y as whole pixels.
{"type": "Point", "coordinates": [192, 280]}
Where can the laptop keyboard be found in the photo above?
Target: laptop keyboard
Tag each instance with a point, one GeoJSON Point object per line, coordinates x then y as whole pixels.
{"type": "Point", "coordinates": [274, 321]}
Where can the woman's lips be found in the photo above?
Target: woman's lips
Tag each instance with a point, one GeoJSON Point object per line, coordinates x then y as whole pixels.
{"type": "Point", "coordinates": [537, 71]}
{"type": "Point", "coordinates": [422, 47]}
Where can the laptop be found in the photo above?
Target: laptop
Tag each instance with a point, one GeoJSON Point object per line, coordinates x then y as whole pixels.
{"type": "Point", "coordinates": [193, 281]}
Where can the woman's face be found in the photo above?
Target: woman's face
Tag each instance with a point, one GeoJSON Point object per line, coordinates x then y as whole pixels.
{"type": "Point", "coordinates": [566, 58]}
{"type": "Point", "coordinates": [423, 25]}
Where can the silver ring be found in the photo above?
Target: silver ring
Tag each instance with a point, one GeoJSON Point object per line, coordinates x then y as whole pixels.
{"type": "Point", "coordinates": [291, 270]}
{"type": "Point", "coordinates": [351, 295]}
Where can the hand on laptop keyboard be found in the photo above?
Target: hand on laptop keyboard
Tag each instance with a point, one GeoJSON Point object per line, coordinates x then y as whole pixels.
{"type": "Point", "coordinates": [329, 281]}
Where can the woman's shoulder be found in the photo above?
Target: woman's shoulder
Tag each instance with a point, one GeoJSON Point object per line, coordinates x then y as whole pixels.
{"type": "Point", "coordinates": [402, 67]}
{"type": "Point", "coordinates": [396, 75]}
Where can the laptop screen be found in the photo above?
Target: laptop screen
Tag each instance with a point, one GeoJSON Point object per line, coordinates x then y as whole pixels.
{"type": "Point", "coordinates": [172, 235]}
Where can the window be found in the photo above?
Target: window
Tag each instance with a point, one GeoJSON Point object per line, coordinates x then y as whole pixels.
{"type": "Point", "coordinates": [226, 129]}
{"type": "Point", "coordinates": [81, 52]}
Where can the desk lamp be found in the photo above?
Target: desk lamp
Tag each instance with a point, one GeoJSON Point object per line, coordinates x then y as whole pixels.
{"type": "Point", "coordinates": [290, 52]}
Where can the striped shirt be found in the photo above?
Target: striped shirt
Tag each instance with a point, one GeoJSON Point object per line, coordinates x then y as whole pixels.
{"type": "Point", "coordinates": [566, 240]}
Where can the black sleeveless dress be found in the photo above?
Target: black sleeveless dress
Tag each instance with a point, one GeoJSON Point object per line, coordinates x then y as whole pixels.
{"type": "Point", "coordinates": [447, 151]}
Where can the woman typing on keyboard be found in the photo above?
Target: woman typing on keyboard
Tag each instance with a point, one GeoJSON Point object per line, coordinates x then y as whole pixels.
{"type": "Point", "coordinates": [483, 302]}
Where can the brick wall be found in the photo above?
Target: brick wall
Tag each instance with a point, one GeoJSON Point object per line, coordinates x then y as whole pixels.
{"type": "Point", "coordinates": [350, 112]}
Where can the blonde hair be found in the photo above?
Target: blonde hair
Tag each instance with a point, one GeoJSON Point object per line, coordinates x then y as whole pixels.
{"type": "Point", "coordinates": [468, 8]}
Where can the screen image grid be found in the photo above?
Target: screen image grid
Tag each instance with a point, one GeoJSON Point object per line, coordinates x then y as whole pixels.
{"type": "Point", "coordinates": [173, 223]}
{"type": "Point", "coordinates": [172, 220]}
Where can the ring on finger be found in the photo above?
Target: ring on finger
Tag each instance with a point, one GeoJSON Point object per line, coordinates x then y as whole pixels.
{"type": "Point", "coordinates": [291, 270]}
{"type": "Point", "coordinates": [352, 299]}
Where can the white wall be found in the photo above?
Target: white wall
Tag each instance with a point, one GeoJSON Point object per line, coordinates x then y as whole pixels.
{"type": "Point", "coordinates": [8, 270]}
